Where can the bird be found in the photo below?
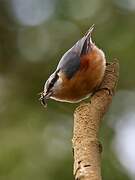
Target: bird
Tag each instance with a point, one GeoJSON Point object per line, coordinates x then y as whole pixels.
{"type": "Point", "coordinates": [78, 74]}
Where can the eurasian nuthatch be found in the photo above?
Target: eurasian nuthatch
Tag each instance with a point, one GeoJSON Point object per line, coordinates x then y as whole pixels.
{"type": "Point", "coordinates": [78, 74]}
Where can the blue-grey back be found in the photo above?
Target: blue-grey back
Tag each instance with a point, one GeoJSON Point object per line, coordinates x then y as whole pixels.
{"type": "Point", "coordinates": [69, 63]}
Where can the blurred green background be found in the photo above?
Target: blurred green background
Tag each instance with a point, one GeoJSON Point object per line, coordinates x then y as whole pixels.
{"type": "Point", "coordinates": [35, 143]}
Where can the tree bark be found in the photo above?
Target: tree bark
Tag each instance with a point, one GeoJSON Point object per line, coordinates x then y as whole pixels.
{"type": "Point", "coordinates": [87, 120]}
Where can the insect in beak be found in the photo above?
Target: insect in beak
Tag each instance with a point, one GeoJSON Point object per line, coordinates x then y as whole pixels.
{"type": "Point", "coordinates": [43, 99]}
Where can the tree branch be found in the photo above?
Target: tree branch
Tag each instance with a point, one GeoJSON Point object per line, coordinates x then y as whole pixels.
{"type": "Point", "coordinates": [87, 120]}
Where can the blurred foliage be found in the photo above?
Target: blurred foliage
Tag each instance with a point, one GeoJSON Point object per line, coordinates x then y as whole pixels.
{"type": "Point", "coordinates": [36, 142]}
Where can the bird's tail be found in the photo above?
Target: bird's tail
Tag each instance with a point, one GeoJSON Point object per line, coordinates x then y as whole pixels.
{"type": "Point", "coordinates": [88, 33]}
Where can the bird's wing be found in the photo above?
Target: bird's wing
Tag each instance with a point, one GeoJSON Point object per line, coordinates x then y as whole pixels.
{"type": "Point", "coordinates": [70, 62]}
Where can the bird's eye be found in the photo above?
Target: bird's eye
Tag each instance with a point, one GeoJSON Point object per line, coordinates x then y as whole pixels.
{"type": "Point", "coordinates": [52, 82]}
{"type": "Point", "coordinates": [54, 79]}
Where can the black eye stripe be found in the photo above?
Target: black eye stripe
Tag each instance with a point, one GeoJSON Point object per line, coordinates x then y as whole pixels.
{"type": "Point", "coordinates": [54, 79]}
{"type": "Point", "coordinates": [51, 84]}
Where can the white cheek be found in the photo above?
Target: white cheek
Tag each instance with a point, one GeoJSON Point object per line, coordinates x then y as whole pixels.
{"type": "Point", "coordinates": [47, 82]}
{"type": "Point", "coordinates": [45, 89]}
